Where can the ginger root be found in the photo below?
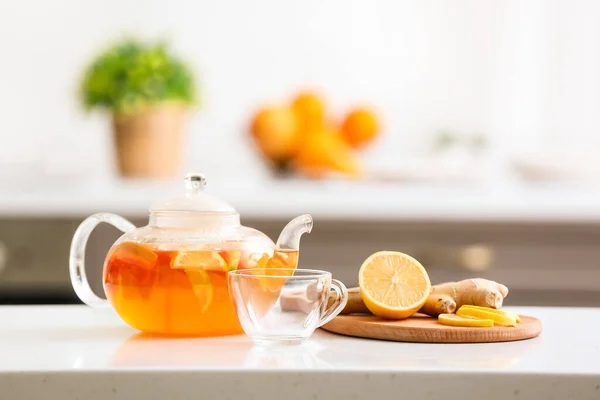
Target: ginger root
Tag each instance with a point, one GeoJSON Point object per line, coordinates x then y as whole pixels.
{"type": "Point", "coordinates": [445, 298]}
{"type": "Point", "coordinates": [355, 303]}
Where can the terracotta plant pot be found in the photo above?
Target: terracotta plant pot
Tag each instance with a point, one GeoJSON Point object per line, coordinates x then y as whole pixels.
{"type": "Point", "coordinates": [149, 143]}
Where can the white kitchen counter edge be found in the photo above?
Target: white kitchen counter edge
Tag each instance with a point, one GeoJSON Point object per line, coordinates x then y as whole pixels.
{"type": "Point", "coordinates": [295, 384]}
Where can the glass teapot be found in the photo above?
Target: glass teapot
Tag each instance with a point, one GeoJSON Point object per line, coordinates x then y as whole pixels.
{"type": "Point", "coordinates": [170, 277]}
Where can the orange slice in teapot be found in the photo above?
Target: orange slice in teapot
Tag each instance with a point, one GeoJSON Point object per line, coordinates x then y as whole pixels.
{"type": "Point", "coordinates": [232, 258]}
{"type": "Point", "coordinates": [200, 260]}
{"type": "Point", "coordinates": [269, 270]}
{"type": "Point", "coordinates": [134, 254]}
{"type": "Point", "coordinates": [202, 287]}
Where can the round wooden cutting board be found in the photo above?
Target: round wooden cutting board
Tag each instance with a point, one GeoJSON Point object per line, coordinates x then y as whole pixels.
{"type": "Point", "coordinates": [425, 329]}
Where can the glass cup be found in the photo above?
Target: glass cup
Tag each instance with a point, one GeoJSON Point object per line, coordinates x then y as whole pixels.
{"type": "Point", "coordinates": [284, 306]}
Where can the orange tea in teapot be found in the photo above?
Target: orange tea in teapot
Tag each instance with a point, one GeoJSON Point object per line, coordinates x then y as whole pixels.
{"type": "Point", "coordinates": [171, 276]}
{"type": "Point", "coordinates": [181, 292]}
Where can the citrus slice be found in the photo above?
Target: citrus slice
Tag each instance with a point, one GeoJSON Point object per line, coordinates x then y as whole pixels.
{"type": "Point", "coordinates": [493, 310]}
{"type": "Point", "coordinates": [393, 285]}
{"type": "Point", "coordinates": [135, 254]}
{"type": "Point", "coordinates": [286, 259]}
{"type": "Point", "coordinates": [199, 260]}
{"type": "Point", "coordinates": [232, 258]}
{"type": "Point", "coordinates": [499, 319]}
{"type": "Point", "coordinates": [456, 320]}
{"type": "Point", "coordinates": [257, 260]}
{"type": "Point", "coordinates": [269, 270]}
{"type": "Point", "coordinates": [202, 286]}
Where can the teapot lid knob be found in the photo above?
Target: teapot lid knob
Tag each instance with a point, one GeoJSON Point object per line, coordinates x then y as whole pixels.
{"type": "Point", "coordinates": [195, 181]}
{"type": "Point", "coordinates": [195, 199]}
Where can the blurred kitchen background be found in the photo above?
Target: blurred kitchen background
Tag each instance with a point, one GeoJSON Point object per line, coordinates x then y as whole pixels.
{"type": "Point", "coordinates": [466, 133]}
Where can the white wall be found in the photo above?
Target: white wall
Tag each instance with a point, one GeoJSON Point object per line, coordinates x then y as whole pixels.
{"type": "Point", "coordinates": [524, 72]}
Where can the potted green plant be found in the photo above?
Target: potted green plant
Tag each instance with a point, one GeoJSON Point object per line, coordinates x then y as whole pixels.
{"type": "Point", "coordinates": [148, 92]}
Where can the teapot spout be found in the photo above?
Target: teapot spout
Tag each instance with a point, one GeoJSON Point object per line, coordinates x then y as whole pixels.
{"type": "Point", "coordinates": [289, 239]}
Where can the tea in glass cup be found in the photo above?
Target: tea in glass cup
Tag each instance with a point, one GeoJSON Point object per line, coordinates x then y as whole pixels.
{"type": "Point", "coordinates": [284, 306]}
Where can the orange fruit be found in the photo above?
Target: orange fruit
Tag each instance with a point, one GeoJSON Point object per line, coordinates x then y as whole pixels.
{"type": "Point", "coordinates": [200, 260]}
{"type": "Point", "coordinates": [263, 264]}
{"type": "Point", "coordinates": [359, 127]}
{"type": "Point", "coordinates": [286, 259]}
{"type": "Point", "coordinates": [393, 285]}
{"type": "Point", "coordinates": [264, 289]}
{"type": "Point", "coordinates": [257, 260]}
{"type": "Point", "coordinates": [196, 264]}
{"type": "Point", "coordinates": [202, 287]}
{"type": "Point", "coordinates": [135, 254]}
{"type": "Point", "coordinates": [275, 132]}
{"type": "Point", "coordinates": [131, 264]}
{"type": "Point", "coordinates": [231, 257]}
{"type": "Point", "coordinates": [323, 151]}
{"type": "Point", "coordinates": [309, 109]}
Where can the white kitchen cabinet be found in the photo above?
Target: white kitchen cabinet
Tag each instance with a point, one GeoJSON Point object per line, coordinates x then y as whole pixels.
{"type": "Point", "coordinates": [542, 263]}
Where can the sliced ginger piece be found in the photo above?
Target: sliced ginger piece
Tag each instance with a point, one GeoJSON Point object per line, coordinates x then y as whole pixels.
{"type": "Point", "coordinates": [499, 319]}
{"type": "Point", "coordinates": [457, 320]}
{"type": "Point", "coordinates": [499, 312]}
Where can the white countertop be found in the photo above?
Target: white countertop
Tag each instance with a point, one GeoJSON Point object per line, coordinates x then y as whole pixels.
{"type": "Point", "coordinates": [70, 352]}
{"type": "Point", "coordinates": [325, 200]}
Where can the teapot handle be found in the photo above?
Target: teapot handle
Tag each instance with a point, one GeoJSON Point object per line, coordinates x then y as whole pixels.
{"type": "Point", "coordinates": [77, 255]}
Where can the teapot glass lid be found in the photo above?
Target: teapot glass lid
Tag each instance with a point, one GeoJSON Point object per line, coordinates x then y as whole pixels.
{"type": "Point", "coordinates": [194, 199]}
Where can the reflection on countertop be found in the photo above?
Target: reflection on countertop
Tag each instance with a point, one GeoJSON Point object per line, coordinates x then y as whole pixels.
{"type": "Point", "coordinates": [61, 338]}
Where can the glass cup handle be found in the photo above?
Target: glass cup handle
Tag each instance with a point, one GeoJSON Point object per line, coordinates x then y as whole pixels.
{"type": "Point", "coordinates": [338, 305]}
{"type": "Point", "coordinates": [77, 255]}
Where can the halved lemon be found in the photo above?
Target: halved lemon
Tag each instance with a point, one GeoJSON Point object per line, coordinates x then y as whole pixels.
{"type": "Point", "coordinates": [393, 285]}
{"type": "Point", "coordinates": [456, 320]}
{"type": "Point", "coordinates": [202, 286]}
{"type": "Point", "coordinates": [199, 260]}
